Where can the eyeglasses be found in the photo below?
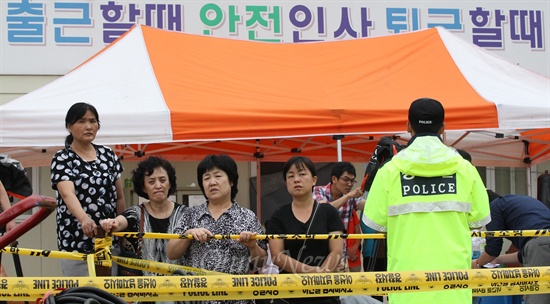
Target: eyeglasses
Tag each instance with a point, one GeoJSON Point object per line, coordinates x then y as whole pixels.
{"type": "Point", "coordinates": [348, 180]}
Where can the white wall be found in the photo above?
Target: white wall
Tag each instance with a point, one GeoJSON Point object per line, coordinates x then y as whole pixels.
{"type": "Point", "coordinates": [13, 86]}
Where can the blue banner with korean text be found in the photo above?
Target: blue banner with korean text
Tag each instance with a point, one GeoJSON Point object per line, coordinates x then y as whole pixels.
{"type": "Point", "coordinates": [54, 36]}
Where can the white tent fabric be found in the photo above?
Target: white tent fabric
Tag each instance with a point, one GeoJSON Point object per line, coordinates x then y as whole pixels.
{"type": "Point", "coordinates": [506, 80]}
{"type": "Point", "coordinates": [119, 81]}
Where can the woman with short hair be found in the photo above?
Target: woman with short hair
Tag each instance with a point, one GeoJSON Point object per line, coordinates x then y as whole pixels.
{"type": "Point", "coordinates": [220, 214]}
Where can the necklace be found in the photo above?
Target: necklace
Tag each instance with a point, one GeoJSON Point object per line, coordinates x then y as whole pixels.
{"type": "Point", "coordinates": [86, 152]}
{"type": "Point", "coordinates": [160, 214]}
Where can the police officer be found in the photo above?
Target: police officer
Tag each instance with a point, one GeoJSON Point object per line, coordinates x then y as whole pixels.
{"type": "Point", "coordinates": [427, 198]}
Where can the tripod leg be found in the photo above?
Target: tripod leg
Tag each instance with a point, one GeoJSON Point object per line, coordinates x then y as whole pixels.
{"type": "Point", "coordinates": [17, 264]}
{"type": "Point", "coordinates": [372, 261]}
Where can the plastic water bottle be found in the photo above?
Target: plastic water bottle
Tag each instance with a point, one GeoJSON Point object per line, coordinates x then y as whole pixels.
{"type": "Point", "coordinates": [476, 246]}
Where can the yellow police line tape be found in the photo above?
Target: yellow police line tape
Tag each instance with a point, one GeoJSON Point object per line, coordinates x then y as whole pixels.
{"type": "Point", "coordinates": [158, 267]}
{"type": "Point", "coordinates": [102, 253]}
{"type": "Point", "coordinates": [162, 268]}
{"type": "Point", "coordinates": [154, 235]}
{"type": "Point", "coordinates": [498, 281]}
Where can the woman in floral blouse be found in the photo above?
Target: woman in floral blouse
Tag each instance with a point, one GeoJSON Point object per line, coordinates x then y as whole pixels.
{"type": "Point", "coordinates": [220, 214]}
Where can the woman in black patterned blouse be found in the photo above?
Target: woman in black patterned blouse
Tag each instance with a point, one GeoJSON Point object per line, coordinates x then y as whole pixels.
{"type": "Point", "coordinates": [87, 180]}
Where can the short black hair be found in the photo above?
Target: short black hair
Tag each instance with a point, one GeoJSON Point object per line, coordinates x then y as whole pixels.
{"type": "Point", "coordinates": [224, 163]}
{"type": "Point", "coordinates": [419, 129]}
{"type": "Point", "coordinates": [146, 168]}
{"type": "Point", "coordinates": [300, 162]}
{"type": "Point", "coordinates": [340, 167]}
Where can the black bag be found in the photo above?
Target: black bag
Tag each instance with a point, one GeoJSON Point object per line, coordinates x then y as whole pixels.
{"type": "Point", "coordinates": [14, 177]}
{"type": "Point", "coordinates": [125, 271]}
{"type": "Point", "coordinates": [132, 254]}
{"type": "Point", "coordinates": [543, 188]}
{"type": "Point", "coordinates": [386, 148]}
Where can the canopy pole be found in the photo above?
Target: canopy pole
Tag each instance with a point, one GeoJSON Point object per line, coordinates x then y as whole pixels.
{"type": "Point", "coordinates": [338, 139]}
{"type": "Point", "coordinates": [529, 184]}
{"type": "Point", "coordinates": [258, 155]}
{"type": "Point", "coordinates": [258, 191]}
{"type": "Point", "coordinates": [527, 161]}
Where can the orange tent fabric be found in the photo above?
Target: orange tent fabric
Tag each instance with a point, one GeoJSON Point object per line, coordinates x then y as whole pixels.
{"type": "Point", "coordinates": [183, 96]}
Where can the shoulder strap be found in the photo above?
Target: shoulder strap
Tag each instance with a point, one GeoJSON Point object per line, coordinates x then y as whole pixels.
{"type": "Point", "coordinates": [141, 221]}
{"type": "Point", "coordinates": [307, 232]}
{"type": "Point", "coordinates": [350, 215]}
{"type": "Point", "coordinates": [313, 216]}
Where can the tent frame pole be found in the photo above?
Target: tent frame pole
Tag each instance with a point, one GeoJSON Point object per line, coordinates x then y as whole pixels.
{"type": "Point", "coordinates": [338, 139]}
{"type": "Point", "coordinates": [258, 187]}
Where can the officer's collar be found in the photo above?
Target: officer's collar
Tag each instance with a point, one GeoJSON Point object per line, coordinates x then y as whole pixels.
{"type": "Point", "coordinates": [422, 135]}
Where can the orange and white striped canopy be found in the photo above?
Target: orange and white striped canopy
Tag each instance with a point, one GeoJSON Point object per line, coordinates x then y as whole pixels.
{"type": "Point", "coordinates": [184, 96]}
